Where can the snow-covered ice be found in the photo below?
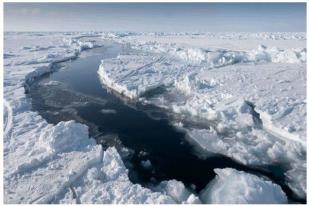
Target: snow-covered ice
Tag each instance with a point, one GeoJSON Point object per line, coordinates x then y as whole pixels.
{"type": "Point", "coordinates": [177, 191]}
{"type": "Point", "coordinates": [46, 163]}
{"type": "Point", "coordinates": [108, 182]}
{"type": "Point", "coordinates": [238, 187]}
{"type": "Point", "coordinates": [250, 89]}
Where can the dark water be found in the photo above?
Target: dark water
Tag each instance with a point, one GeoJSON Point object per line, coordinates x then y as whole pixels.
{"type": "Point", "coordinates": [115, 122]}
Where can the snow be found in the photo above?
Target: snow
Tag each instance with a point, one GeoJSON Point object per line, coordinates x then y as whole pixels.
{"type": "Point", "coordinates": [107, 183]}
{"type": "Point", "coordinates": [45, 163]}
{"type": "Point", "coordinates": [7, 118]}
{"type": "Point", "coordinates": [232, 41]}
{"type": "Point", "coordinates": [238, 187]}
{"type": "Point", "coordinates": [248, 89]}
{"type": "Point", "coordinates": [213, 58]}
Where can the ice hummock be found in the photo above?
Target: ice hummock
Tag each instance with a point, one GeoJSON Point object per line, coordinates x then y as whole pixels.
{"type": "Point", "coordinates": [107, 182]}
{"type": "Point", "coordinates": [236, 187]}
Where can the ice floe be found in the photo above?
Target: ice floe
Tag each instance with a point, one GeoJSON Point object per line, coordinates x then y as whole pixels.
{"type": "Point", "coordinates": [236, 187]}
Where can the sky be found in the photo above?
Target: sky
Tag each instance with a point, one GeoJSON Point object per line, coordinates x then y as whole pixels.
{"type": "Point", "coordinates": [156, 17]}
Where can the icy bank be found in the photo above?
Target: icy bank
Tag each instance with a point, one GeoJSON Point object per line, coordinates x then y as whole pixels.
{"type": "Point", "coordinates": [46, 163]}
{"type": "Point", "coordinates": [253, 100]}
{"type": "Point", "coordinates": [37, 164]}
{"type": "Point", "coordinates": [235, 187]}
{"type": "Point", "coordinates": [136, 73]}
{"type": "Point", "coordinates": [108, 183]}
{"type": "Point", "coordinates": [70, 168]}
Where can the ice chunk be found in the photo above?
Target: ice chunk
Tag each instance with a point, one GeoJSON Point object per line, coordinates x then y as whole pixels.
{"type": "Point", "coordinates": [108, 111]}
{"type": "Point", "coordinates": [177, 191]}
{"type": "Point", "coordinates": [65, 137]}
{"type": "Point", "coordinates": [107, 182]}
{"type": "Point", "coordinates": [236, 187]}
{"type": "Point", "coordinates": [146, 164]}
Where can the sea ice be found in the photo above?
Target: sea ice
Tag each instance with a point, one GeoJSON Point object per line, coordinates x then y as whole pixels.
{"type": "Point", "coordinates": [249, 89]}
{"type": "Point", "coordinates": [251, 97]}
{"type": "Point", "coordinates": [47, 163]}
{"type": "Point", "coordinates": [236, 187]}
